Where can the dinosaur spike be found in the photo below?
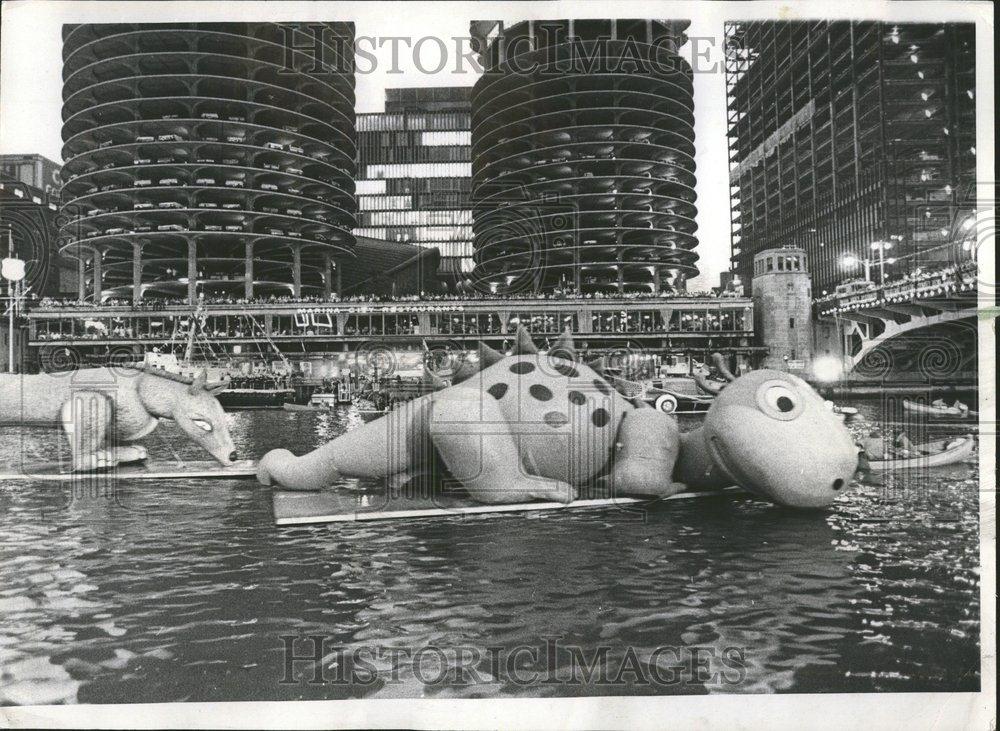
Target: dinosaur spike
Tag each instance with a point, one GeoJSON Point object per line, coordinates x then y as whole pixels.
{"type": "Point", "coordinates": [488, 356]}
{"type": "Point", "coordinates": [597, 365]}
{"type": "Point", "coordinates": [720, 364]}
{"type": "Point", "coordinates": [563, 346]}
{"type": "Point", "coordinates": [523, 345]}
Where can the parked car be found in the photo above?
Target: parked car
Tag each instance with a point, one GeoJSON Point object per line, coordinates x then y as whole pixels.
{"type": "Point", "coordinates": [170, 116]}
{"type": "Point", "coordinates": [293, 212]}
{"type": "Point", "coordinates": [107, 166]}
{"type": "Point", "coordinates": [95, 212]}
{"type": "Point", "coordinates": [293, 148]}
{"type": "Point", "coordinates": [110, 186]}
{"type": "Point", "coordinates": [274, 146]}
{"type": "Point", "coordinates": [295, 234]}
{"type": "Point", "coordinates": [234, 227]}
{"type": "Point", "coordinates": [141, 161]}
{"type": "Point", "coordinates": [114, 231]}
{"type": "Point", "coordinates": [276, 232]}
{"type": "Point", "coordinates": [92, 234]}
{"type": "Point", "coordinates": [213, 227]}
{"type": "Point", "coordinates": [209, 115]}
{"type": "Point", "coordinates": [209, 138]}
{"type": "Point", "coordinates": [142, 206]}
{"type": "Point", "coordinates": [233, 206]}
{"type": "Point", "coordinates": [236, 119]}
{"type": "Point", "coordinates": [294, 191]}
{"type": "Point", "coordinates": [208, 205]}
{"type": "Point", "coordinates": [270, 166]}
{"type": "Point", "coordinates": [144, 138]}
{"type": "Point", "coordinates": [268, 209]}
{"type": "Point", "coordinates": [204, 181]}
{"type": "Point", "coordinates": [169, 204]}
{"type": "Point", "coordinates": [106, 143]}
{"type": "Point", "coordinates": [236, 139]}
{"type": "Point", "coordinates": [169, 181]}
{"type": "Point", "coordinates": [293, 171]}
{"type": "Point", "coordinates": [230, 161]}
{"type": "Point", "coordinates": [143, 229]}
{"type": "Point", "coordinates": [169, 138]}
{"type": "Point", "coordinates": [164, 160]}
{"type": "Point", "coordinates": [234, 184]}
{"type": "Point", "coordinates": [268, 186]}
{"type": "Point", "coordinates": [170, 227]}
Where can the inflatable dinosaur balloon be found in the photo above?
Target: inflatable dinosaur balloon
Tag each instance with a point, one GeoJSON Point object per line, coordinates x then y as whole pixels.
{"type": "Point", "coordinates": [538, 426]}
{"type": "Point", "coordinates": [100, 408]}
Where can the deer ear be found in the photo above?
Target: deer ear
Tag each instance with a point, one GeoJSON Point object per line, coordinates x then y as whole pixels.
{"type": "Point", "coordinates": [216, 388]}
{"type": "Point", "coordinates": [199, 383]}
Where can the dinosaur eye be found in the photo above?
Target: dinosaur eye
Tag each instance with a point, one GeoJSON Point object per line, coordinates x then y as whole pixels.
{"type": "Point", "coordinates": [201, 424]}
{"type": "Point", "coordinates": [779, 401]}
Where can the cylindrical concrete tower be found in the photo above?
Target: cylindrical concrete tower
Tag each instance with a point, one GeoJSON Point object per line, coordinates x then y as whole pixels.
{"type": "Point", "coordinates": [782, 297]}
{"type": "Point", "coordinates": [583, 156]}
{"type": "Point", "coordinates": [208, 157]}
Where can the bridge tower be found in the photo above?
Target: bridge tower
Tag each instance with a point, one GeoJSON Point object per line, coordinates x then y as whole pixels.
{"type": "Point", "coordinates": [782, 296]}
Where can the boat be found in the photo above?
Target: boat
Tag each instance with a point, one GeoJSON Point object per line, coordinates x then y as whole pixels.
{"type": "Point", "coordinates": [935, 454]}
{"type": "Point", "coordinates": [302, 407]}
{"type": "Point", "coordinates": [255, 398]}
{"type": "Point", "coordinates": [674, 402]}
{"type": "Point", "coordinates": [952, 411]}
{"type": "Point", "coordinates": [661, 396]}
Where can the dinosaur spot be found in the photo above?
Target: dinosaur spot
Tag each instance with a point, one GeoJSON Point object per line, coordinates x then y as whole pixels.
{"type": "Point", "coordinates": [497, 390]}
{"type": "Point", "coordinates": [602, 387]}
{"type": "Point", "coordinates": [540, 392]}
{"type": "Point", "coordinates": [522, 367]}
{"type": "Point", "coordinates": [565, 369]}
{"type": "Point", "coordinates": [601, 417]}
{"type": "Point", "coordinates": [576, 398]}
{"type": "Point", "coordinates": [555, 419]}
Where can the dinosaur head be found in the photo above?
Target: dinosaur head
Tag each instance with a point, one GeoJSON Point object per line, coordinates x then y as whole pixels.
{"type": "Point", "coordinates": [771, 433]}
{"type": "Point", "coordinates": [199, 414]}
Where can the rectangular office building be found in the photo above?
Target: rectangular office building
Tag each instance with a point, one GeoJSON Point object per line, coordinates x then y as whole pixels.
{"type": "Point", "coordinates": [415, 171]}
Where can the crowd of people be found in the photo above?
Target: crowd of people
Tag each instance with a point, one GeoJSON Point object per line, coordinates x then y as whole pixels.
{"type": "Point", "coordinates": [260, 381]}
{"type": "Point", "coordinates": [147, 305]}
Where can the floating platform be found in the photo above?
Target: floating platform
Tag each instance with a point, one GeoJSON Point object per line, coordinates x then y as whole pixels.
{"type": "Point", "coordinates": [194, 470]}
{"type": "Point", "coordinates": [310, 508]}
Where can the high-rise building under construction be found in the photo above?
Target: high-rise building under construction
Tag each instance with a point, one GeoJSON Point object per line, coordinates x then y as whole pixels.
{"type": "Point", "coordinates": [853, 140]}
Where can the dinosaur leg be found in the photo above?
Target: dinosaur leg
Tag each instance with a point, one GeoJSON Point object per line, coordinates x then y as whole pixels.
{"type": "Point", "coordinates": [475, 441]}
{"type": "Point", "coordinates": [87, 418]}
{"type": "Point", "coordinates": [396, 443]}
{"type": "Point", "coordinates": [647, 448]}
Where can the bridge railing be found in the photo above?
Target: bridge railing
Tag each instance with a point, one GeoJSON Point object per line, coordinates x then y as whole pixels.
{"type": "Point", "coordinates": [944, 282]}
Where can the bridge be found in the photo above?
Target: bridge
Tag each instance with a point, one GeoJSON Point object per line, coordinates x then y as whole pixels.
{"type": "Point", "coordinates": [924, 323]}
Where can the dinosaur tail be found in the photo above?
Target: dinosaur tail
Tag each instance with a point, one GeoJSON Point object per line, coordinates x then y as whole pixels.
{"type": "Point", "coordinates": [387, 446]}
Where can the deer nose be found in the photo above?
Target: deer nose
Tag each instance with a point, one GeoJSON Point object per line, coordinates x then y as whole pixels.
{"type": "Point", "coordinates": [233, 456]}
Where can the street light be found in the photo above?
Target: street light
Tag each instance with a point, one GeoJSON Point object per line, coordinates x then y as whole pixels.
{"type": "Point", "coordinates": [850, 260]}
{"type": "Point", "coordinates": [881, 247]}
{"type": "Point", "coordinates": [12, 270]}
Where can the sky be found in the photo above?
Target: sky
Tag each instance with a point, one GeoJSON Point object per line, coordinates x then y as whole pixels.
{"type": "Point", "coordinates": [30, 66]}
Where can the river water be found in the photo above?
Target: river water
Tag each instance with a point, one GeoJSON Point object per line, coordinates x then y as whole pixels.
{"type": "Point", "coordinates": [187, 591]}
